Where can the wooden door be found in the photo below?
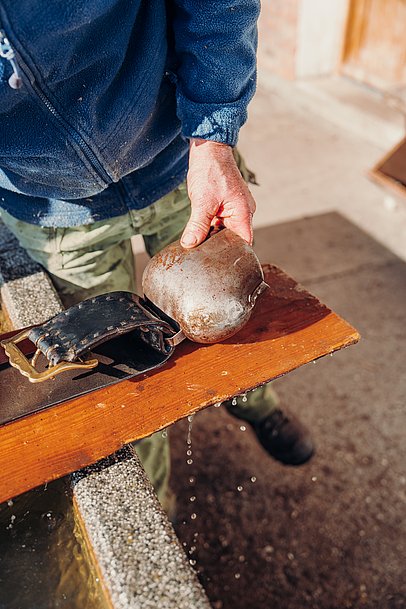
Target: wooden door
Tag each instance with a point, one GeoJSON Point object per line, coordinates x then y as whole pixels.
{"type": "Point", "coordinates": [375, 43]}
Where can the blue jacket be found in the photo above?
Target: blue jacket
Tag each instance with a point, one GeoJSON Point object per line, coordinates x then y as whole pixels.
{"type": "Point", "coordinates": [111, 90]}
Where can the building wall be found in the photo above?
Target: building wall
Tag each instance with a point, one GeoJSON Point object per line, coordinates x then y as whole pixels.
{"type": "Point", "coordinates": [278, 35]}
{"type": "Point", "coordinates": [302, 38]}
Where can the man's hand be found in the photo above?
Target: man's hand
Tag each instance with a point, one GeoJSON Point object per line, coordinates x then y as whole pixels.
{"type": "Point", "coordinates": [217, 192]}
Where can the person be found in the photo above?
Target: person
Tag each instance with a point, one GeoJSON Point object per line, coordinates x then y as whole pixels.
{"type": "Point", "coordinates": [106, 106]}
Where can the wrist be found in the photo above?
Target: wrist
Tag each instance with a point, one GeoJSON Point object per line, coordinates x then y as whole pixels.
{"type": "Point", "coordinates": [208, 145]}
{"type": "Point", "coordinates": [207, 151]}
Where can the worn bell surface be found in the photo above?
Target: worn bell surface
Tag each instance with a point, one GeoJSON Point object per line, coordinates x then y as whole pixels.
{"type": "Point", "coordinates": [209, 290]}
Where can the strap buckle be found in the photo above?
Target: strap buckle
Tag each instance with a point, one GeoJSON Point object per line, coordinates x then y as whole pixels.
{"type": "Point", "coordinates": [153, 312]}
{"type": "Point", "coordinates": [27, 367]}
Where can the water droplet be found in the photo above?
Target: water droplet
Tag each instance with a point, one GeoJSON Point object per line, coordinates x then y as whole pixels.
{"type": "Point", "coordinates": [192, 562]}
{"type": "Point", "coordinates": [217, 405]}
{"type": "Point", "coordinates": [189, 461]}
{"type": "Point", "coordinates": [193, 516]}
{"type": "Point", "coordinates": [241, 558]}
{"type": "Point", "coordinates": [13, 517]}
{"type": "Point", "coordinates": [242, 428]}
{"type": "Point", "coordinates": [291, 556]}
{"type": "Point", "coordinates": [189, 431]}
{"type": "Point", "coordinates": [314, 478]}
{"type": "Point", "coordinates": [244, 398]}
{"type": "Point", "coordinates": [253, 479]}
{"type": "Point", "coordinates": [10, 503]}
{"type": "Point", "coordinates": [165, 433]}
{"type": "Point", "coordinates": [234, 401]}
{"type": "Point", "coordinates": [192, 480]}
{"type": "Point", "coordinates": [192, 498]}
{"type": "Point", "coordinates": [189, 452]}
{"type": "Point", "coordinates": [239, 489]}
{"type": "Point", "coordinates": [237, 575]}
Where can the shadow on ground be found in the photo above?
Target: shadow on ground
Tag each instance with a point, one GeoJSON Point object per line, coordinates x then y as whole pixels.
{"type": "Point", "coordinates": [329, 535]}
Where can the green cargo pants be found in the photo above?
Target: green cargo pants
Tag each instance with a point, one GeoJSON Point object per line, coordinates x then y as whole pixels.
{"type": "Point", "coordinates": [89, 260]}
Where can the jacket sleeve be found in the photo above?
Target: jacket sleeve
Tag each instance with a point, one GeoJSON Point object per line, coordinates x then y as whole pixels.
{"type": "Point", "coordinates": [215, 43]}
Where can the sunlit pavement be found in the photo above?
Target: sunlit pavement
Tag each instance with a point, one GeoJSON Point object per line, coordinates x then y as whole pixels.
{"type": "Point", "coordinates": [330, 534]}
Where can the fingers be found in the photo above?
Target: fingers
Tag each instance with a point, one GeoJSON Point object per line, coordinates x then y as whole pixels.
{"type": "Point", "coordinates": [197, 229]}
{"type": "Point", "coordinates": [198, 226]}
{"type": "Point", "coordinates": [237, 214]}
{"type": "Point", "coordinates": [241, 225]}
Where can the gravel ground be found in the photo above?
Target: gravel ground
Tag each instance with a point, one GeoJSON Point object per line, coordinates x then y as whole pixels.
{"type": "Point", "coordinates": [330, 534]}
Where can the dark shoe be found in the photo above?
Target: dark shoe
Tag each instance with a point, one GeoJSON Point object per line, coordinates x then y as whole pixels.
{"type": "Point", "coordinates": [285, 438]}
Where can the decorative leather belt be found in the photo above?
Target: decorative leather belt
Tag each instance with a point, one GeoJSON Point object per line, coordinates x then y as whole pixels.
{"type": "Point", "coordinates": [68, 337]}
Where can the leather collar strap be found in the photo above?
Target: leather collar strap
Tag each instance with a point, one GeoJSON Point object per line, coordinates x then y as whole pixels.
{"type": "Point", "coordinates": [126, 339]}
{"type": "Point", "coordinates": [68, 336]}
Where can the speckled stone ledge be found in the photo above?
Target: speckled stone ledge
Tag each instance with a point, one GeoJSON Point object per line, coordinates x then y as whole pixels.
{"type": "Point", "coordinates": [138, 554]}
{"type": "Point", "coordinates": [23, 282]}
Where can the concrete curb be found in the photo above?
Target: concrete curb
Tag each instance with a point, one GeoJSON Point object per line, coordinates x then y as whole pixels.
{"type": "Point", "coordinates": [23, 281]}
{"type": "Point", "coordinates": [140, 558]}
{"type": "Point", "coordinates": [138, 554]}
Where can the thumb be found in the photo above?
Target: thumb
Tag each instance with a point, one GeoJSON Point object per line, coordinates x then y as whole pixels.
{"type": "Point", "coordinates": [197, 228]}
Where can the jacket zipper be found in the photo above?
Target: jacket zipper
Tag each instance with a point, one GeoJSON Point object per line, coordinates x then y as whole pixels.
{"type": "Point", "coordinates": [7, 52]}
{"type": "Point", "coordinates": [15, 82]}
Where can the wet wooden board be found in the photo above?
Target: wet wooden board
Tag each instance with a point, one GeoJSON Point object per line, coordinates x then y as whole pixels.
{"type": "Point", "coordinates": [289, 328]}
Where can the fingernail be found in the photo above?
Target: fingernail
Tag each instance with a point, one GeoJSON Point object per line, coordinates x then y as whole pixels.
{"type": "Point", "coordinates": [188, 239]}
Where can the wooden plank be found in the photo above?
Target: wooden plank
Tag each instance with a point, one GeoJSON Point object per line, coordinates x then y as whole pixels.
{"type": "Point", "coordinates": [390, 171]}
{"type": "Point", "coordinates": [289, 328]}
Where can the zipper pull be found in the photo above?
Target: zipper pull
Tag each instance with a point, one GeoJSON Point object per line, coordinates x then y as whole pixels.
{"type": "Point", "coordinates": [7, 52]}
